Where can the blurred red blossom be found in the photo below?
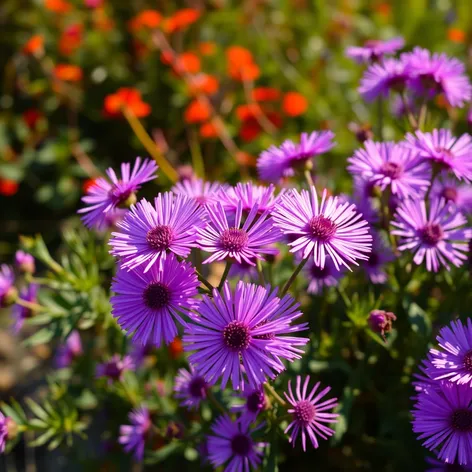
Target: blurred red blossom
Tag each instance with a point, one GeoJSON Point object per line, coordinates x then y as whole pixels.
{"type": "Point", "coordinates": [126, 98]}
{"type": "Point", "coordinates": [8, 187]}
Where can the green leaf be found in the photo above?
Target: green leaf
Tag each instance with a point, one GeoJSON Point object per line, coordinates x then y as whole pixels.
{"type": "Point", "coordinates": [163, 453]}
{"type": "Point", "coordinates": [40, 337]}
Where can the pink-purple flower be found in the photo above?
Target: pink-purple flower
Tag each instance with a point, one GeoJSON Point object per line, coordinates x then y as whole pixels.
{"type": "Point", "coordinates": [69, 350]}
{"type": "Point", "coordinates": [255, 402]}
{"type": "Point", "coordinates": [459, 195]}
{"type": "Point", "coordinates": [249, 195]}
{"type": "Point", "coordinates": [202, 192]}
{"type": "Point", "coordinates": [374, 49]}
{"type": "Point", "coordinates": [3, 431]}
{"type": "Point", "coordinates": [190, 387]}
{"type": "Point", "coordinates": [7, 281]}
{"type": "Point", "coordinates": [319, 278]}
{"type": "Point", "coordinates": [381, 254]}
{"type": "Point", "coordinates": [133, 437]}
{"type": "Point", "coordinates": [24, 262]}
{"type": "Point", "coordinates": [114, 368]}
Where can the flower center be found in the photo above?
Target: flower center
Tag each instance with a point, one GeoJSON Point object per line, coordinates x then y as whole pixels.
{"type": "Point", "coordinates": [160, 237]}
{"type": "Point", "coordinates": [318, 272]}
{"type": "Point", "coordinates": [449, 193]}
{"type": "Point", "coordinates": [304, 412]}
{"type": "Point", "coordinates": [462, 420]}
{"type": "Point", "coordinates": [112, 370]}
{"type": "Point", "coordinates": [322, 228]}
{"type": "Point", "coordinates": [373, 260]}
{"type": "Point", "coordinates": [397, 83]}
{"type": "Point", "coordinates": [255, 401]}
{"type": "Point", "coordinates": [117, 196]}
{"type": "Point", "coordinates": [392, 170]}
{"type": "Point", "coordinates": [156, 295]}
{"type": "Point", "coordinates": [468, 361]}
{"type": "Point", "coordinates": [236, 336]}
{"type": "Point", "coordinates": [197, 387]}
{"type": "Point", "coordinates": [429, 83]}
{"type": "Point", "coordinates": [431, 234]}
{"type": "Point", "coordinates": [233, 239]}
{"type": "Point", "coordinates": [241, 444]}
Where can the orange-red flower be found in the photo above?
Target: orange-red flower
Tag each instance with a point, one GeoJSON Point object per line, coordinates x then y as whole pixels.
{"type": "Point", "coordinates": [35, 45]}
{"type": "Point", "coordinates": [181, 19]}
{"type": "Point", "coordinates": [101, 20]}
{"type": "Point", "coordinates": [150, 19]}
{"type": "Point", "coordinates": [58, 6]}
{"type": "Point", "coordinates": [68, 72]}
{"type": "Point", "coordinates": [456, 35]}
{"type": "Point", "coordinates": [251, 128]}
{"type": "Point", "coordinates": [126, 98]}
{"type": "Point", "coordinates": [265, 94]}
{"type": "Point", "coordinates": [245, 112]}
{"type": "Point", "coordinates": [238, 56]}
{"type": "Point", "coordinates": [294, 104]}
{"type": "Point", "coordinates": [241, 65]}
{"type": "Point", "coordinates": [204, 83]}
{"type": "Point", "coordinates": [87, 184]}
{"type": "Point", "coordinates": [8, 187]}
{"type": "Point", "coordinates": [208, 130]}
{"type": "Point", "coordinates": [176, 348]}
{"type": "Point", "coordinates": [197, 111]}
{"type": "Point", "coordinates": [31, 117]}
{"type": "Point", "coordinates": [71, 39]}
{"type": "Point", "coordinates": [187, 62]}
{"type": "Point", "coordinates": [207, 48]}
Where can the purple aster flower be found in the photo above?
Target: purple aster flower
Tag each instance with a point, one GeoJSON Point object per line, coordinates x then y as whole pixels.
{"type": "Point", "coordinates": [453, 361]}
{"type": "Point", "coordinates": [443, 419]}
{"type": "Point", "coordinates": [374, 266]}
{"type": "Point", "coordinates": [114, 368]}
{"type": "Point", "coordinates": [434, 74]}
{"type": "Point", "coordinates": [149, 232]}
{"type": "Point", "coordinates": [21, 313]}
{"type": "Point", "coordinates": [278, 162]}
{"type": "Point", "coordinates": [254, 403]}
{"type": "Point", "coordinates": [190, 387]}
{"type": "Point", "coordinates": [146, 303]}
{"type": "Point", "coordinates": [138, 352]}
{"type": "Point", "coordinates": [243, 334]}
{"type": "Point", "coordinates": [4, 420]}
{"type": "Point", "coordinates": [68, 351]}
{"type": "Point", "coordinates": [448, 188]}
{"type": "Point", "coordinates": [309, 413]}
{"type": "Point", "coordinates": [233, 445]}
{"type": "Point", "coordinates": [105, 195]}
{"type": "Point", "coordinates": [7, 288]}
{"type": "Point", "coordinates": [243, 244]}
{"type": "Point", "coordinates": [445, 150]}
{"type": "Point", "coordinates": [202, 192]}
{"type": "Point", "coordinates": [423, 382]}
{"type": "Point", "coordinates": [319, 278]}
{"type": "Point", "coordinates": [24, 262]}
{"type": "Point", "coordinates": [440, 466]}
{"type": "Point", "coordinates": [380, 79]}
{"type": "Point", "coordinates": [250, 195]}
{"type": "Point", "coordinates": [133, 436]}
{"type": "Point", "coordinates": [324, 229]}
{"type": "Point", "coordinates": [391, 165]}
{"type": "Point", "coordinates": [374, 49]}
{"type": "Point", "coordinates": [435, 235]}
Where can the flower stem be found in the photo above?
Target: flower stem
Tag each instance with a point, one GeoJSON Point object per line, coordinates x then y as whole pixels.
{"type": "Point", "coordinates": [308, 177]}
{"type": "Point", "coordinates": [274, 394]}
{"type": "Point", "coordinates": [30, 305]}
{"type": "Point", "coordinates": [225, 275]}
{"type": "Point", "coordinates": [204, 281]}
{"type": "Point", "coordinates": [215, 402]}
{"type": "Point", "coordinates": [260, 272]}
{"type": "Point", "coordinates": [293, 276]}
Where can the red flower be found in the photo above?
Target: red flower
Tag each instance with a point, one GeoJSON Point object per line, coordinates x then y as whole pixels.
{"type": "Point", "coordinates": [251, 128]}
{"type": "Point", "coordinates": [68, 72]}
{"type": "Point", "coordinates": [181, 19]}
{"type": "Point", "coordinates": [31, 117]}
{"type": "Point", "coordinates": [176, 348]}
{"type": "Point", "coordinates": [58, 6]}
{"type": "Point", "coordinates": [265, 94]}
{"type": "Point", "coordinates": [34, 46]}
{"type": "Point", "coordinates": [71, 39]}
{"type": "Point", "coordinates": [128, 98]}
{"type": "Point", "coordinates": [241, 65]}
{"type": "Point", "coordinates": [197, 111]}
{"type": "Point", "coordinates": [149, 19]}
{"type": "Point", "coordinates": [187, 62]}
{"type": "Point", "coordinates": [208, 130]}
{"type": "Point", "coordinates": [294, 104]}
{"type": "Point", "coordinates": [207, 48]}
{"type": "Point", "coordinates": [8, 187]}
{"type": "Point", "coordinates": [205, 84]}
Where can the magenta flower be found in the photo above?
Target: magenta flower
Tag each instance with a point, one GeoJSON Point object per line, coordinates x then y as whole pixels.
{"type": "Point", "coordinates": [3, 431]}
{"type": "Point", "coordinates": [391, 165]}
{"type": "Point", "coordinates": [146, 303]}
{"type": "Point", "coordinates": [24, 262]}
{"type": "Point", "coordinates": [250, 195]}
{"type": "Point", "coordinates": [104, 196]}
{"type": "Point", "coordinates": [435, 235]}
{"type": "Point", "coordinates": [374, 49]}
{"type": "Point", "coordinates": [243, 334]}
{"type": "Point", "coordinates": [149, 232]}
{"type": "Point", "coordinates": [21, 313]}
{"type": "Point", "coordinates": [190, 387]}
{"type": "Point", "coordinates": [243, 244]}
{"type": "Point", "coordinates": [133, 436]}
{"type": "Point", "coordinates": [114, 368]}
{"type": "Point", "coordinates": [445, 150]}
{"type": "Point", "coordinates": [323, 229]}
{"type": "Point", "coordinates": [233, 445]}
{"type": "Point", "coordinates": [309, 413]}
{"type": "Point", "coordinates": [381, 254]}
{"type": "Point", "coordinates": [453, 192]}
{"type": "Point", "coordinates": [443, 420]}
{"type": "Point", "coordinates": [319, 278]}
{"type": "Point", "coordinates": [68, 351]}
{"type": "Point", "coordinates": [202, 192]}
{"type": "Point", "coordinates": [278, 162]}
{"type": "Point", "coordinates": [7, 284]}
{"type": "Point", "coordinates": [254, 403]}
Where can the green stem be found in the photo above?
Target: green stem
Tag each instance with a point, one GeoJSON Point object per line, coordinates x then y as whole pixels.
{"type": "Point", "coordinates": [345, 298]}
{"type": "Point", "coordinates": [30, 305]}
{"type": "Point", "coordinates": [225, 275]}
{"type": "Point", "coordinates": [422, 115]}
{"type": "Point", "coordinates": [204, 281]}
{"type": "Point", "coordinates": [411, 116]}
{"type": "Point", "coordinates": [308, 177]}
{"type": "Point", "coordinates": [215, 402]}
{"type": "Point", "coordinates": [196, 152]}
{"type": "Point", "coordinates": [260, 272]}
{"type": "Point", "coordinates": [293, 276]}
{"type": "Point", "coordinates": [274, 394]}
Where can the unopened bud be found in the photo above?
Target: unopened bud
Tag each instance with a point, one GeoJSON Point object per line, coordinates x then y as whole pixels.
{"type": "Point", "coordinates": [381, 321]}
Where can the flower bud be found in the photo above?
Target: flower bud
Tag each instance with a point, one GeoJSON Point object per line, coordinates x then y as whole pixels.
{"type": "Point", "coordinates": [381, 321]}
{"type": "Point", "coordinates": [25, 262]}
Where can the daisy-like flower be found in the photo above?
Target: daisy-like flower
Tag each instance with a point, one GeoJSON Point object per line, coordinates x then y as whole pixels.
{"type": "Point", "coordinates": [133, 436]}
{"type": "Point", "coordinates": [21, 313]}
{"type": "Point", "coordinates": [423, 381]}
{"type": "Point", "coordinates": [309, 413]}
{"type": "Point", "coordinates": [440, 466]}
{"type": "Point", "coordinates": [243, 334]}
{"type": "Point", "coordinates": [3, 431]}
{"type": "Point", "coordinates": [254, 403]}
{"type": "Point", "coordinates": [453, 361]}
{"type": "Point", "coordinates": [323, 229]}
{"type": "Point", "coordinates": [149, 232]}
{"type": "Point", "coordinates": [319, 278]}
{"type": "Point", "coordinates": [232, 444]}
{"type": "Point", "coordinates": [374, 49]}
{"type": "Point", "coordinates": [445, 150]}
{"type": "Point", "coordinates": [68, 351]}
{"type": "Point", "coordinates": [435, 73]}
{"type": "Point", "coordinates": [380, 255]}
{"type": "Point", "coordinates": [435, 235]}
{"type": "Point", "coordinates": [190, 387]}
{"type": "Point", "coordinates": [7, 288]}
{"type": "Point", "coordinates": [457, 194]}
{"type": "Point", "coordinates": [104, 196]}
{"type": "Point", "coordinates": [202, 192]}
{"type": "Point", "coordinates": [392, 165]}
{"type": "Point", "coordinates": [382, 78]}
{"type": "Point", "coordinates": [443, 420]}
{"type": "Point", "coordinates": [242, 243]}
{"type": "Point", "coordinates": [278, 162]}
{"type": "Point", "coordinates": [147, 303]}
{"type": "Point", "coordinates": [114, 368]}
{"type": "Point", "coordinates": [250, 195]}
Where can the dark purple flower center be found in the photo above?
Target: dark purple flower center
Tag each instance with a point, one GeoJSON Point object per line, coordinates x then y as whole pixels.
{"type": "Point", "coordinates": [156, 295]}
{"type": "Point", "coordinates": [468, 361]}
{"type": "Point", "coordinates": [454, 468]}
{"type": "Point", "coordinates": [373, 260]}
{"type": "Point", "coordinates": [112, 370]}
{"type": "Point", "coordinates": [392, 170]}
{"type": "Point", "coordinates": [197, 387]}
{"type": "Point", "coordinates": [397, 82]}
{"type": "Point", "coordinates": [322, 228]}
{"type": "Point", "coordinates": [430, 84]}
{"type": "Point", "coordinates": [318, 272]}
{"type": "Point", "coordinates": [117, 196]}
{"type": "Point", "coordinates": [431, 234]}
{"type": "Point", "coordinates": [461, 420]}
{"type": "Point", "coordinates": [160, 237]}
{"type": "Point", "coordinates": [233, 239]}
{"type": "Point", "coordinates": [241, 444]}
{"type": "Point", "coordinates": [449, 193]}
{"type": "Point", "coordinates": [304, 412]}
{"type": "Point", "coordinates": [236, 336]}
{"type": "Point", "coordinates": [255, 402]}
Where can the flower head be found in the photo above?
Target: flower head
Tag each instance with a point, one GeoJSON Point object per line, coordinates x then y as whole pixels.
{"type": "Point", "coordinates": [434, 235]}
{"type": "Point", "coordinates": [233, 444]}
{"type": "Point", "coordinates": [459, 195]}
{"type": "Point", "coordinates": [381, 321]}
{"type": "Point", "coordinates": [323, 229]}
{"type": "Point", "coordinates": [147, 233]}
{"type": "Point", "coordinates": [21, 313]}
{"type": "Point", "coordinates": [309, 413]}
{"type": "Point", "coordinates": [443, 420]}
{"type": "Point", "coordinates": [250, 195]}
{"type": "Point", "coordinates": [68, 351]}
{"type": "Point", "coordinates": [115, 367]}
{"type": "Point", "coordinates": [441, 466]}
{"type": "Point", "coordinates": [105, 196]}
{"type": "Point", "coordinates": [255, 402]}
{"type": "Point", "coordinates": [126, 99]}
{"type": "Point", "coordinates": [202, 192]}
{"type": "Point", "coordinates": [423, 381]}
{"type": "Point", "coordinates": [133, 436]}
{"type": "Point", "coordinates": [278, 162]}
{"type": "Point", "coordinates": [7, 281]}
{"type": "Point", "coordinates": [391, 165]}
{"type": "Point", "coordinates": [243, 334]}
{"type": "Point", "coordinates": [374, 49]}
{"type": "Point", "coordinates": [3, 431]}
{"type": "Point", "coordinates": [190, 387]}
{"type": "Point", "coordinates": [319, 278]}
{"type": "Point", "coordinates": [147, 303]}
